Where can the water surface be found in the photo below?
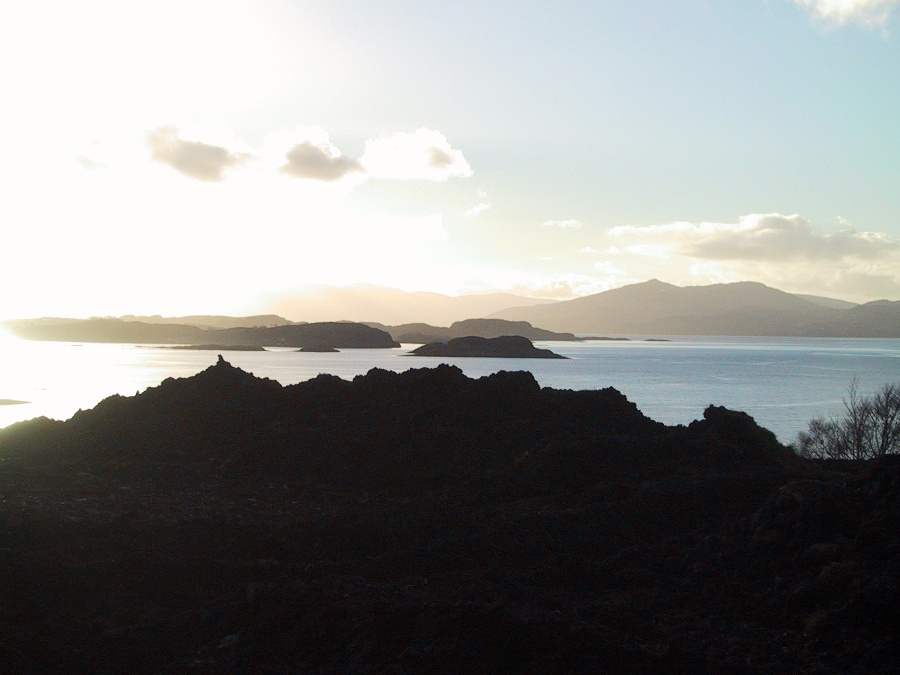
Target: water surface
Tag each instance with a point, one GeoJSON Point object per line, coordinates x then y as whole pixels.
{"type": "Point", "coordinates": [782, 382]}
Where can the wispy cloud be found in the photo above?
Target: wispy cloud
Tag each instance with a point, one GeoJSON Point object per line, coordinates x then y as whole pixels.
{"type": "Point", "coordinates": [871, 13]}
{"type": "Point", "coordinates": [479, 208]}
{"type": "Point", "coordinates": [193, 158]}
{"type": "Point", "coordinates": [781, 250]}
{"type": "Point", "coordinates": [424, 154]}
{"type": "Point", "coordinates": [563, 224]}
{"type": "Point", "coordinates": [770, 237]}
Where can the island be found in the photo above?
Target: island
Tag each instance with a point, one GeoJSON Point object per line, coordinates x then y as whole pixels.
{"type": "Point", "coordinates": [221, 348]}
{"type": "Point", "coordinates": [505, 347]}
{"type": "Point", "coordinates": [335, 334]}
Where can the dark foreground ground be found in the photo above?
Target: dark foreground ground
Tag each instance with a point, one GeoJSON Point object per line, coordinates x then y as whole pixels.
{"type": "Point", "coordinates": [427, 522]}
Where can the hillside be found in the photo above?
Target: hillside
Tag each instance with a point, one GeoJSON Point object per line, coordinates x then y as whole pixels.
{"type": "Point", "coordinates": [429, 522]}
{"type": "Point", "coordinates": [873, 319]}
{"type": "Point", "coordinates": [745, 308]}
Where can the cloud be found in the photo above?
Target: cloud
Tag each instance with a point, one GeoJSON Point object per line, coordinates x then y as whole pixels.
{"type": "Point", "coordinates": [481, 207]}
{"type": "Point", "coordinates": [871, 13]}
{"type": "Point", "coordinates": [563, 224]}
{"type": "Point", "coordinates": [194, 159]}
{"type": "Point", "coordinates": [424, 154]}
{"type": "Point", "coordinates": [769, 237]}
{"type": "Point", "coordinates": [781, 250]}
{"type": "Point", "coordinates": [776, 237]}
{"type": "Point", "coordinates": [308, 153]}
{"type": "Point", "coordinates": [306, 160]}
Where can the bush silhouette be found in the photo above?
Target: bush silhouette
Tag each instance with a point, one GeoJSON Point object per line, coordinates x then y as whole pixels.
{"type": "Point", "coordinates": [870, 427]}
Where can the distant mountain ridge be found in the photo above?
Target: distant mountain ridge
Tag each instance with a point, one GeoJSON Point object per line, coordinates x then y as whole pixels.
{"type": "Point", "coordinates": [648, 308]}
{"type": "Point", "coordinates": [742, 308]}
{"type": "Point", "coordinates": [388, 306]}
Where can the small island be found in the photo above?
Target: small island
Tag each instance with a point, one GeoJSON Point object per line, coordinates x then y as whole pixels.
{"type": "Point", "coordinates": [505, 347]}
{"type": "Point", "coordinates": [221, 348]}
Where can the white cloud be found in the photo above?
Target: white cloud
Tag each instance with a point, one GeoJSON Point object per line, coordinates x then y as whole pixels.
{"type": "Point", "coordinates": [479, 208]}
{"type": "Point", "coordinates": [424, 154]}
{"type": "Point", "coordinates": [306, 160]}
{"type": "Point", "coordinates": [840, 12]}
{"type": "Point", "coordinates": [309, 154]}
{"type": "Point", "coordinates": [771, 237]}
{"type": "Point", "coordinates": [193, 158]}
{"type": "Point", "coordinates": [563, 224]}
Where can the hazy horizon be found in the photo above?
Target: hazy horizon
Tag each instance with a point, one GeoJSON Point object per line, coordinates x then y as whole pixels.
{"type": "Point", "coordinates": [362, 297]}
{"type": "Point", "coordinates": [200, 157]}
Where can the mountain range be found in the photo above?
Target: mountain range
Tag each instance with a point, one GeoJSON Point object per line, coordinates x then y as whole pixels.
{"type": "Point", "coordinates": [648, 308]}
{"type": "Point", "coordinates": [743, 308]}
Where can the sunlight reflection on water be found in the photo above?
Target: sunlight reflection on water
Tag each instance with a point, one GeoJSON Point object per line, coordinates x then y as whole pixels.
{"type": "Point", "coordinates": [782, 382]}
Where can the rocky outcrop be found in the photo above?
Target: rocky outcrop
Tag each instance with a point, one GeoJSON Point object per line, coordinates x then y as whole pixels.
{"type": "Point", "coordinates": [429, 522]}
{"type": "Point", "coordinates": [506, 347]}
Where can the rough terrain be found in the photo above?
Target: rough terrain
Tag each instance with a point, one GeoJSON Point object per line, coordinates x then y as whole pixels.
{"type": "Point", "coordinates": [428, 522]}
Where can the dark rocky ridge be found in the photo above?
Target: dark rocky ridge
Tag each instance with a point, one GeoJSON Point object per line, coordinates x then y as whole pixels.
{"type": "Point", "coordinates": [428, 522]}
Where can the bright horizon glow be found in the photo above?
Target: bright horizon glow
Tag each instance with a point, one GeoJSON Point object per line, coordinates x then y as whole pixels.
{"type": "Point", "coordinates": [197, 157]}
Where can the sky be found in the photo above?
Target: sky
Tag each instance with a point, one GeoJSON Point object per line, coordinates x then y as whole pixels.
{"type": "Point", "coordinates": [198, 156]}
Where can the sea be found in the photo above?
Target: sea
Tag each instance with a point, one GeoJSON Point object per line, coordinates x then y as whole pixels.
{"type": "Point", "coordinates": [782, 382]}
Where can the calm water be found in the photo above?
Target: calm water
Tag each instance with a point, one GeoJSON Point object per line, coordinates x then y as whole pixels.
{"type": "Point", "coordinates": [782, 382]}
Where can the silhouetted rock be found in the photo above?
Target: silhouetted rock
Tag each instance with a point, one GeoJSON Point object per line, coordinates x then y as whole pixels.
{"type": "Point", "coordinates": [426, 521]}
{"type": "Point", "coordinates": [508, 346]}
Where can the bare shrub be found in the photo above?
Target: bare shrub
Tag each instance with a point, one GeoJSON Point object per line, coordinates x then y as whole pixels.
{"type": "Point", "coordinates": [870, 427]}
